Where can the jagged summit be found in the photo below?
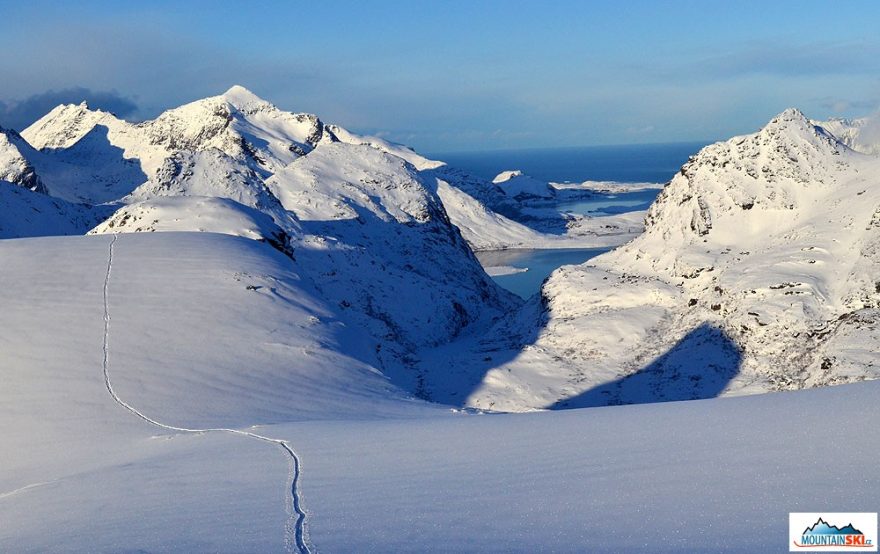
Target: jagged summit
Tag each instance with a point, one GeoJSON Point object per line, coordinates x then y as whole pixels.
{"type": "Point", "coordinates": [791, 114]}
{"type": "Point", "coordinates": [94, 157]}
{"type": "Point", "coordinates": [64, 125]}
{"type": "Point", "coordinates": [15, 166]}
{"type": "Point", "coordinates": [792, 124]}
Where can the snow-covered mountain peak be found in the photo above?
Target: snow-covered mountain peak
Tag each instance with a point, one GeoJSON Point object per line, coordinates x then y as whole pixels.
{"type": "Point", "coordinates": [790, 114]}
{"type": "Point", "coordinates": [14, 164]}
{"type": "Point", "coordinates": [792, 126]}
{"type": "Point", "coordinates": [753, 184]}
{"type": "Point", "coordinates": [245, 100]}
{"type": "Point", "coordinates": [66, 124]}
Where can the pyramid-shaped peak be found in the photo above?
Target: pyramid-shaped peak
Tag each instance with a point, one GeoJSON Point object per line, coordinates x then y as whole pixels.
{"type": "Point", "coordinates": [241, 98]}
{"type": "Point", "coordinates": [792, 118]}
{"type": "Point", "coordinates": [793, 123]}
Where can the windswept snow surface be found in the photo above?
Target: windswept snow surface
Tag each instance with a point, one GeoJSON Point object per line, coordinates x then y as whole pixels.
{"type": "Point", "coordinates": [211, 331]}
{"type": "Point", "coordinates": [204, 331]}
{"type": "Point", "coordinates": [718, 475]}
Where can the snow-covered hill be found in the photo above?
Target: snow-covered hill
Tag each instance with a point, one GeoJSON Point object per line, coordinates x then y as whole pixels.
{"type": "Point", "coordinates": [203, 214]}
{"type": "Point", "coordinates": [757, 272]}
{"type": "Point", "coordinates": [191, 330]}
{"type": "Point", "coordinates": [523, 187]}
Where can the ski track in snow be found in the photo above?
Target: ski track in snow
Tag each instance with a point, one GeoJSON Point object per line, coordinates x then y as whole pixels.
{"type": "Point", "coordinates": [25, 488]}
{"type": "Point", "coordinates": [295, 530]}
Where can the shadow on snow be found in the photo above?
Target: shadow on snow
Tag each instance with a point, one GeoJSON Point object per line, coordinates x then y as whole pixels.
{"type": "Point", "coordinates": [699, 366]}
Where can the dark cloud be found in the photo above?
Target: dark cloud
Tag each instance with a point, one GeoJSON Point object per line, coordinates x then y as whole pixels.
{"type": "Point", "coordinates": [18, 114]}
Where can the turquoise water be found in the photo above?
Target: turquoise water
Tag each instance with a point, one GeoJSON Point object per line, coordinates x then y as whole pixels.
{"type": "Point", "coordinates": [540, 264]}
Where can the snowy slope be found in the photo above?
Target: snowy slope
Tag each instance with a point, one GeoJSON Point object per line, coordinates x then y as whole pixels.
{"type": "Point", "coordinates": [196, 213]}
{"type": "Point", "coordinates": [757, 272]}
{"type": "Point", "coordinates": [202, 331]}
{"type": "Point", "coordinates": [215, 174]}
{"type": "Point", "coordinates": [24, 213]}
{"type": "Point", "coordinates": [244, 342]}
{"type": "Point", "coordinates": [379, 241]}
{"type": "Point", "coordinates": [483, 228]}
{"type": "Point", "coordinates": [418, 161]}
{"type": "Point", "coordinates": [709, 476]}
{"type": "Point", "coordinates": [486, 229]}
{"type": "Point", "coordinates": [862, 134]}
{"type": "Point", "coordinates": [522, 187]}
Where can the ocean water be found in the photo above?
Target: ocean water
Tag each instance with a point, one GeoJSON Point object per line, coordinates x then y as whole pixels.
{"type": "Point", "coordinates": [644, 163]}
{"type": "Point", "coordinates": [607, 204]}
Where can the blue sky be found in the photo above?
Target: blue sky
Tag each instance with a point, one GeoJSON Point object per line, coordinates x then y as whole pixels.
{"type": "Point", "coordinates": [456, 75]}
